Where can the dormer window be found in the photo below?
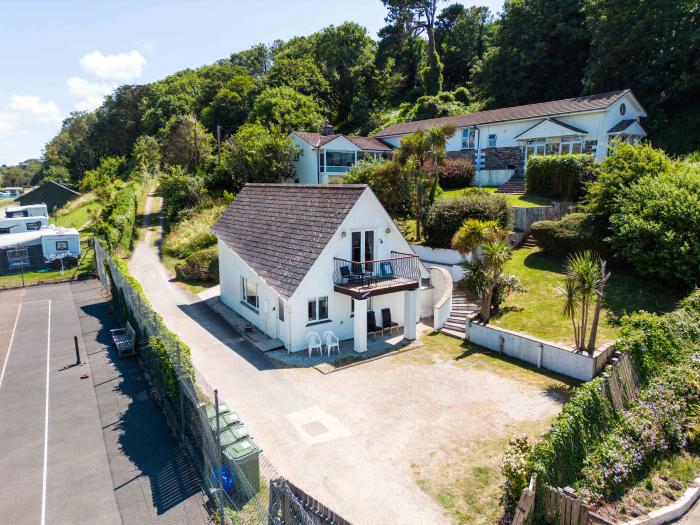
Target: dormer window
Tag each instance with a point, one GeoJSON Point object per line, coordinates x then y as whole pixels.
{"type": "Point", "coordinates": [468, 138]}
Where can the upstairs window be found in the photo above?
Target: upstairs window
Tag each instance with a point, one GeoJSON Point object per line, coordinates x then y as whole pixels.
{"type": "Point", "coordinates": [492, 140]}
{"type": "Point", "coordinates": [468, 138]}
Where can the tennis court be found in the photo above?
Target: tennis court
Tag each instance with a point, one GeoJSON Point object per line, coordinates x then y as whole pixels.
{"type": "Point", "coordinates": [70, 441]}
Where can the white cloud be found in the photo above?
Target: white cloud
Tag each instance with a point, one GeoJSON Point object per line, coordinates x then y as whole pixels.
{"type": "Point", "coordinates": [119, 66]}
{"type": "Point", "coordinates": [8, 124]}
{"type": "Point", "coordinates": [91, 93]}
{"type": "Point", "coordinates": [29, 104]}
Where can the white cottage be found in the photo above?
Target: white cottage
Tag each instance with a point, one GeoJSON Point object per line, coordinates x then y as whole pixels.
{"type": "Point", "coordinates": [325, 157]}
{"type": "Point", "coordinates": [297, 258]}
{"type": "Point", "coordinates": [499, 141]}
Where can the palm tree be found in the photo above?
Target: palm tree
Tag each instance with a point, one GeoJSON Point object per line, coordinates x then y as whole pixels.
{"type": "Point", "coordinates": [585, 279]}
{"type": "Point", "coordinates": [470, 235]}
{"type": "Point", "coordinates": [496, 254]}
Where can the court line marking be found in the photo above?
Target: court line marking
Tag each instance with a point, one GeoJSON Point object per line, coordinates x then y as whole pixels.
{"type": "Point", "coordinates": [46, 419]}
{"type": "Point", "coordinates": [9, 348]}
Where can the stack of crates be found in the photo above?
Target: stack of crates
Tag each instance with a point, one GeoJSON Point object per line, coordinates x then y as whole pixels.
{"type": "Point", "coordinates": [238, 449]}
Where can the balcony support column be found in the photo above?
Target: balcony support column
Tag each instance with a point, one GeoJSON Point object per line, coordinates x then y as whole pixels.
{"type": "Point", "coordinates": [410, 314]}
{"type": "Point", "coordinates": [360, 325]}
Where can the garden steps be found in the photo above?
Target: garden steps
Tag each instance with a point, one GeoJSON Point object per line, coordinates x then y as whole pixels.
{"type": "Point", "coordinates": [528, 242]}
{"type": "Point", "coordinates": [462, 308]}
{"type": "Point", "coordinates": [514, 186]}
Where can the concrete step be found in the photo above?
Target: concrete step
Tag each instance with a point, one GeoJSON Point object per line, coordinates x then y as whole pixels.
{"type": "Point", "coordinates": [453, 333]}
{"type": "Point", "coordinates": [462, 321]}
{"type": "Point", "coordinates": [454, 327]}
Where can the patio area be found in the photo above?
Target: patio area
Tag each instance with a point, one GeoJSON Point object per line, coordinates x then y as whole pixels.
{"type": "Point", "coordinates": [377, 346]}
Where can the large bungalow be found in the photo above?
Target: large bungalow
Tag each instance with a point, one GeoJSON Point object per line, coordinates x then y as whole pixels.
{"type": "Point", "coordinates": [499, 141]}
{"type": "Point", "coordinates": [297, 258]}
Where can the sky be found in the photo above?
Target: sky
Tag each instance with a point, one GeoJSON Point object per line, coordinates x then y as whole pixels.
{"type": "Point", "coordinates": [58, 56]}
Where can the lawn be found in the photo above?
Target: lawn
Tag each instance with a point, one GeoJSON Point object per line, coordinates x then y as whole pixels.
{"type": "Point", "coordinates": [517, 201]}
{"type": "Point", "coordinates": [538, 311]}
{"type": "Point", "coordinates": [77, 213]}
{"type": "Point", "coordinates": [464, 477]}
{"type": "Point", "coordinates": [86, 267]}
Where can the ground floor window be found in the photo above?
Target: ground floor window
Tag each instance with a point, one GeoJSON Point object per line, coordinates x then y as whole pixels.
{"type": "Point", "coordinates": [570, 145]}
{"type": "Point", "coordinates": [535, 147]}
{"type": "Point", "coordinates": [318, 309]}
{"type": "Point", "coordinates": [280, 309]}
{"type": "Point", "coordinates": [250, 292]}
{"type": "Point", "coordinates": [352, 306]}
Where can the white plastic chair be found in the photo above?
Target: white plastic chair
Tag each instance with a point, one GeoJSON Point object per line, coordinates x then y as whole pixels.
{"type": "Point", "coordinates": [314, 343]}
{"type": "Point", "coordinates": [331, 342]}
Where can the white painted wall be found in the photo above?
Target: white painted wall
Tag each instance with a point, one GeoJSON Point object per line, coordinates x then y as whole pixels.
{"type": "Point", "coordinates": [307, 165]}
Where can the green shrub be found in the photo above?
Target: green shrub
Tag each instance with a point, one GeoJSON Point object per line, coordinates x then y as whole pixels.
{"type": "Point", "coordinates": [655, 424]}
{"type": "Point", "coordinates": [192, 234]}
{"type": "Point", "coordinates": [391, 185]}
{"type": "Point", "coordinates": [656, 226]}
{"type": "Point", "coordinates": [453, 173]}
{"type": "Point", "coordinates": [446, 216]}
{"type": "Point", "coordinates": [200, 266]}
{"type": "Point", "coordinates": [115, 223]}
{"type": "Point", "coordinates": [574, 232]}
{"type": "Point", "coordinates": [180, 190]}
{"type": "Point", "coordinates": [559, 176]}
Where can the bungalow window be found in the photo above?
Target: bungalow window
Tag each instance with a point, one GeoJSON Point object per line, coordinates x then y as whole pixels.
{"type": "Point", "coordinates": [339, 161]}
{"type": "Point", "coordinates": [318, 309]}
{"type": "Point", "coordinates": [280, 309]}
{"type": "Point", "coordinates": [33, 226]}
{"type": "Point", "coordinates": [250, 292]}
{"type": "Point", "coordinates": [492, 140]}
{"type": "Point", "coordinates": [468, 138]}
{"type": "Point", "coordinates": [535, 147]}
{"type": "Point", "coordinates": [61, 246]}
{"type": "Point", "coordinates": [569, 145]}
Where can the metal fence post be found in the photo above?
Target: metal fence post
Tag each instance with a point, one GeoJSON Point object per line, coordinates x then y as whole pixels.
{"type": "Point", "coordinates": [218, 458]}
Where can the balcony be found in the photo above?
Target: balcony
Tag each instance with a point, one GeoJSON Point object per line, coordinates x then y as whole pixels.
{"type": "Point", "coordinates": [363, 279]}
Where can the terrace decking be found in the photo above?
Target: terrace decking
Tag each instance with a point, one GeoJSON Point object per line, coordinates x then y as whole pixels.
{"type": "Point", "coordinates": [363, 279]}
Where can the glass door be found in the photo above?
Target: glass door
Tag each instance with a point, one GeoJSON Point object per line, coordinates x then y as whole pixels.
{"type": "Point", "coordinates": [362, 251]}
{"type": "Point", "coordinates": [356, 252]}
{"type": "Point", "coordinates": [369, 250]}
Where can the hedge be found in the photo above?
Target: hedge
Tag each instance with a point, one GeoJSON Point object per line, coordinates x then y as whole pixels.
{"type": "Point", "coordinates": [559, 176]}
{"type": "Point", "coordinates": [445, 216]}
{"type": "Point", "coordinates": [574, 232]}
{"type": "Point", "coordinates": [117, 219]}
{"type": "Point", "coordinates": [453, 173]}
{"type": "Point", "coordinates": [200, 266]}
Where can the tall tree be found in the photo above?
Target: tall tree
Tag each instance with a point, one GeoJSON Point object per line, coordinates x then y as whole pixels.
{"type": "Point", "coordinates": [118, 120]}
{"type": "Point", "coordinates": [405, 54]}
{"type": "Point", "coordinates": [420, 17]}
{"type": "Point", "coordinates": [73, 147]}
{"type": "Point", "coordinates": [461, 36]}
{"type": "Point", "coordinates": [539, 53]}
{"type": "Point", "coordinates": [652, 47]}
{"type": "Point", "coordinates": [187, 143]}
{"type": "Point", "coordinates": [287, 109]}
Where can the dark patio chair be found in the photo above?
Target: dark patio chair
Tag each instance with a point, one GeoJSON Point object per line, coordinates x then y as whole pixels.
{"type": "Point", "coordinates": [387, 323]}
{"type": "Point", "coordinates": [386, 270]}
{"type": "Point", "coordinates": [372, 328]}
{"type": "Point", "coordinates": [349, 277]}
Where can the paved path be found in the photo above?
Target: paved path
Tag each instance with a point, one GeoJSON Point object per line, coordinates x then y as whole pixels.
{"type": "Point", "coordinates": [346, 471]}
{"type": "Point", "coordinates": [692, 518]}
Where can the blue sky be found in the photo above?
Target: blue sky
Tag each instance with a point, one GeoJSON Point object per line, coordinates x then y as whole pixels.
{"type": "Point", "coordinates": [61, 55]}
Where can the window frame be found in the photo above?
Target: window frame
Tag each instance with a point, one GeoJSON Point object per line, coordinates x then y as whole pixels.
{"type": "Point", "coordinates": [316, 302]}
{"type": "Point", "coordinates": [280, 310]}
{"type": "Point", "coordinates": [246, 298]}
{"type": "Point", "coordinates": [62, 243]}
{"type": "Point", "coordinates": [492, 137]}
{"type": "Point", "coordinates": [32, 226]}
{"type": "Point", "coordinates": [468, 138]}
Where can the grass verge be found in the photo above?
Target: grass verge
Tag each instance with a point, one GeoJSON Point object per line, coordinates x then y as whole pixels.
{"type": "Point", "coordinates": [517, 201]}
{"type": "Point", "coordinates": [77, 213]}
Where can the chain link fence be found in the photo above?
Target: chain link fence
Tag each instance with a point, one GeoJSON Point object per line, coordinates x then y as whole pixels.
{"type": "Point", "coordinates": [243, 487]}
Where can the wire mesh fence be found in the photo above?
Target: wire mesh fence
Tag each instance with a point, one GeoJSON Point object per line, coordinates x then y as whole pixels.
{"type": "Point", "coordinates": [243, 487]}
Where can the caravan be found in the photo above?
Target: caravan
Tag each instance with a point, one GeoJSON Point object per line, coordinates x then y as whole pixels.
{"type": "Point", "coordinates": [23, 224]}
{"type": "Point", "coordinates": [36, 249]}
{"type": "Point", "coordinates": [31, 210]}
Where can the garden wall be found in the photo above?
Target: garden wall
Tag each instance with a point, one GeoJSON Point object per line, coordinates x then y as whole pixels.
{"type": "Point", "coordinates": [543, 354]}
{"type": "Point", "coordinates": [492, 177]}
{"type": "Point", "coordinates": [523, 218]}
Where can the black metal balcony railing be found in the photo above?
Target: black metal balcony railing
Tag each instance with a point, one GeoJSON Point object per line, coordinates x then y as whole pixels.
{"type": "Point", "coordinates": [401, 269]}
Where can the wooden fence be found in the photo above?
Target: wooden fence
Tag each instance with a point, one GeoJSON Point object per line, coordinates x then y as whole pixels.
{"type": "Point", "coordinates": [561, 507]}
{"type": "Point", "coordinates": [289, 505]}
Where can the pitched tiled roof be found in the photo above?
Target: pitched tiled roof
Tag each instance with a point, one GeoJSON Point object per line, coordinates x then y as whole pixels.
{"type": "Point", "coordinates": [622, 125]}
{"type": "Point", "coordinates": [364, 143]}
{"type": "Point", "coordinates": [542, 109]}
{"type": "Point", "coordinates": [279, 230]}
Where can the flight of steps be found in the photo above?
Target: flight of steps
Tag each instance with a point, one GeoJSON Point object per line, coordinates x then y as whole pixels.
{"type": "Point", "coordinates": [462, 308]}
{"type": "Point", "coordinates": [528, 242]}
{"type": "Point", "coordinates": [514, 186]}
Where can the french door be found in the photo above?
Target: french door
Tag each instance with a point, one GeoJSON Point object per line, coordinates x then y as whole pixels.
{"type": "Point", "coordinates": [362, 249]}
